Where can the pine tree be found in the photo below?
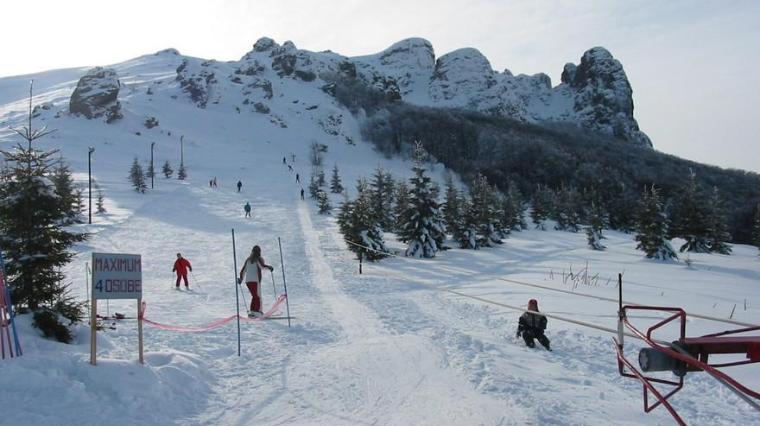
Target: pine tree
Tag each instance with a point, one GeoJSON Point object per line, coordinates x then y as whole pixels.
{"type": "Point", "coordinates": [381, 197]}
{"type": "Point", "coordinates": [718, 235]}
{"type": "Point", "coordinates": [511, 211]}
{"type": "Point", "coordinates": [356, 223]}
{"type": "Point", "coordinates": [323, 202]}
{"type": "Point", "coordinates": [542, 205]}
{"type": "Point", "coordinates": [137, 177]}
{"type": "Point", "coordinates": [100, 202]}
{"type": "Point", "coordinates": [182, 173]}
{"type": "Point", "coordinates": [335, 186]}
{"type": "Point", "coordinates": [466, 233]}
{"type": "Point", "coordinates": [567, 210]}
{"type": "Point", "coordinates": [313, 187]}
{"type": "Point", "coordinates": [756, 227]}
{"type": "Point", "coordinates": [597, 222]}
{"type": "Point", "coordinates": [422, 223]}
{"type": "Point", "coordinates": [652, 227]}
{"type": "Point", "coordinates": [690, 218]}
{"type": "Point", "coordinates": [401, 196]}
{"type": "Point", "coordinates": [167, 170]}
{"type": "Point", "coordinates": [321, 179]}
{"type": "Point", "coordinates": [486, 213]}
{"type": "Point", "coordinates": [452, 206]}
{"type": "Point", "coordinates": [69, 197]}
{"type": "Point", "coordinates": [33, 238]}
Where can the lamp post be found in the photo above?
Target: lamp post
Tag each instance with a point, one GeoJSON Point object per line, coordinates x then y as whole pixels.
{"type": "Point", "coordinates": [89, 178]}
{"type": "Point", "coordinates": [152, 170]}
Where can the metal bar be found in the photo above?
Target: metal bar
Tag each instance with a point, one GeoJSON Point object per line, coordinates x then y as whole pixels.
{"type": "Point", "coordinates": [284, 283]}
{"type": "Point", "coordinates": [235, 281]}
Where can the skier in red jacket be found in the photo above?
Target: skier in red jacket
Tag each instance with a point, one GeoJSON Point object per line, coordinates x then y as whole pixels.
{"type": "Point", "coordinates": [181, 265]}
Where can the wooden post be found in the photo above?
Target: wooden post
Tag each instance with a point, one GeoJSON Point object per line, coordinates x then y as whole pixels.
{"type": "Point", "coordinates": [139, 330]}
{"type": "Point", "coordinates": [93, 331]}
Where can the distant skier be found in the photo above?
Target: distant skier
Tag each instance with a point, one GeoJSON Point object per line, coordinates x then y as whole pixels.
{"type": "Point", "coordinates": [251, 271]}
{"type": "Point", "coordinates": [531, 326]}
{"type": "Point", "coordinates": [298, 178]}
{"type": "Point", "coordinates": [283, 160]}
{"type": "Point", "coordinates": [210, 183]}
{"type": "Point", "coordinates": [214, 181]}
{"type": "Point", "coordinates": [181, 266]}
{"type": "Point", "coordinates": [302, 194]}
{"type": "Point", "coordinates": [239, 185]}
{"type": "Point", "coordinates": [247, 209]}
{"type": "Point", "coordinates": [290, 168]}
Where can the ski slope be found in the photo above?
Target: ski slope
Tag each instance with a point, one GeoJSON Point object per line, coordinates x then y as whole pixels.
{"type": "Point", "coordinates": [387, 347]}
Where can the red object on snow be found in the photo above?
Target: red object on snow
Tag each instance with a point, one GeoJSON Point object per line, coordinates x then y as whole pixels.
{"type": "Point", "coordinates": [181, 266]}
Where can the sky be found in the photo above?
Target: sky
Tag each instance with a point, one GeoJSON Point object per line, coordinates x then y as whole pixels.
{"type": "Point", "coordinates": [691, 64]}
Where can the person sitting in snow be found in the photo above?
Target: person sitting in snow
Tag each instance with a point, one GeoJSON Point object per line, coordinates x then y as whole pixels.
{"type": "Point", "coordinates": [531, 326]}
{"type": "Point", "coordinates": [181, 265]}
{"type": "Point", "coordinates": [251, 271]}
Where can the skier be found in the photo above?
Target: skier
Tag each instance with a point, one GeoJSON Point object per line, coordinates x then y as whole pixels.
{"type": "Point", "coordinates": [239, 185]}
{"type": "Point", "coordinates": [302, 194]}
{"type": "Point", "coordinates": [531, 326]}
{"type": "Point", "coordinates": [247, 209]}
{"type": "Point", "coordinates": [283, 160]}
{"type": "Point", "coordinates": [290, 168]}
{"type": "Point", "coordinates": [210, 183]}
{"type": "Point", "coordinates": [252, 270]}
{"type": "Point", "coordinates": [214, 181]}
{"type": "Point", "coordinates": [181, 265]}
{"type": "Point", "coordinates": [298, 178]}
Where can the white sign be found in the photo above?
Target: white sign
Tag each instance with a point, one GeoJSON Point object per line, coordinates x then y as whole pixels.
{"type": "Point", "coordinates": [116, 276]}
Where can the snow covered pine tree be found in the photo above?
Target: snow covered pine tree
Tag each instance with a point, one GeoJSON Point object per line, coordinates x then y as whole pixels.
{"type": "Point", "coordinates": [652, 227]}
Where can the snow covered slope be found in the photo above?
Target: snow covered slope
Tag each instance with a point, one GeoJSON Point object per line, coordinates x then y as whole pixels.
{"type": "Point", "coordinates": [387, 347]}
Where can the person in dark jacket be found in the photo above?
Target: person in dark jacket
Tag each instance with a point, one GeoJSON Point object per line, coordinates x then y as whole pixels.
{"type": "Point", "coordinates": [239, 185]}
{"type": "Point", "coordinates": [531, 326]}
{"type": "Point", "coordinates": [181, 266]}
{"type": "Point", "coordinates": [247, 208]}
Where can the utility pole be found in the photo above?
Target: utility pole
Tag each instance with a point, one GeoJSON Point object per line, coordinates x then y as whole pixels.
{"type": "Point", "coordinates": [89, 178]}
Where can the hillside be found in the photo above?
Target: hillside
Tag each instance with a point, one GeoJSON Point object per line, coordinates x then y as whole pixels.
{"type": "Point", "coordinates": [391, 346]}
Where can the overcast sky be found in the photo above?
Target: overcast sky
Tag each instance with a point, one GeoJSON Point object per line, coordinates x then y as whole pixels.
{"type": "Point", "coordinates": [692, 64]}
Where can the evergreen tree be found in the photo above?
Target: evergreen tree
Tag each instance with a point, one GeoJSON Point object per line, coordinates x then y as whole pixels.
{"type": "Point", "coordinates": [100, 202]}
{"type": "Point", "coordinates": [422, 223]}
{"type": "Point", "coordinates": [359, 229]}
{"type": "Point", "coordinates": [511, 211]}
{"type": "Point", "coordinates": [401, 196]}
{"type": "Point", "coordinates": [33, 237]}
{"type": "Point", "coordinates": [466, 232]}
{"type": "Point", "coordinates": [567, 210]}
{"type": "Point", "coordinates": [137, 177]}
{"type": "Point", "coordinates": [381, 197]}
{"type": "Point", "coordinates": [690, 218]}
{"type": "Point", "coordinates": [452, 206]}
{"type": "Point", "coordinates": [542, 206]}
{"type": "Point", "coordinates": [321, 179]}
{"type": "Point", "coordinates": [486, 214]}
{"type": "Point", "coordinates": [69, 197]}
{"type": "Point", "coordinates": [335, 186]}
{"type": "Point", "coordinates": [151, 172]}
{"type": "Point", "coordinates": [323, 202]}
{"type": "Point", "coordinates": [652, 227]}
{"type": "Point", "coordinates": [167, 170]}
{"type": "Point", "coordinates": [182, 173]}
{"type": "Point", "coordinates": [756, 227]}
{"type": "Point", "coordinates": [313, 187]}
{"type": "Point", "coordinates": [716, 225]}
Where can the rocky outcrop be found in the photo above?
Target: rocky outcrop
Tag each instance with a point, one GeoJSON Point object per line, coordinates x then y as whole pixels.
{"type": "Point", "coordinates": [96, 95]}
{"type": "Point", "coordinates": [603, 98]}
{"type": "Point", "coordinates": [197, 80]}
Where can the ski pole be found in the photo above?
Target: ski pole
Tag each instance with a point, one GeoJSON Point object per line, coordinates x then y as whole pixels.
{"type": "Point", "coordinates": [237, 302]}
{"type": "Point", "coordinates": [195, 280]}
{"type": "Point", "coordinates": [274, 289]}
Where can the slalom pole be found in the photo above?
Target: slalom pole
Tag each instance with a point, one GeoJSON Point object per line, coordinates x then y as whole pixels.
{"type": "Point", "coordinates": [284, 283]}
{"type": "Point", "coordinates": [237, 301]}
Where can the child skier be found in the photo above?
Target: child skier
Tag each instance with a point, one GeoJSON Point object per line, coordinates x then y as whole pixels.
{"type": "Point", "coordinates": [531, 326]}
{"type": "Point", "coordinates": [181, 265]}
{"type": "Point", "coordinates": [252, 270]}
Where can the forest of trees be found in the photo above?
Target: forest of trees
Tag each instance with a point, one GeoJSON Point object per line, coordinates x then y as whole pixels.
{"type": "Point", "coordinates": [572, 163]}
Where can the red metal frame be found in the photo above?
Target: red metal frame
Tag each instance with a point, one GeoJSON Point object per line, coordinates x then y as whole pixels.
{"type": "Point", "coordinates": [699, 349]}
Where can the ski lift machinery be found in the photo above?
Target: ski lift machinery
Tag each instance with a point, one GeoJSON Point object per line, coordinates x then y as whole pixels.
{"type": "Point", "coordinates": [685, 355]}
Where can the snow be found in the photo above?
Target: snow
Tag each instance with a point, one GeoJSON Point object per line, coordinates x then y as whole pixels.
{"type": "Point", "coordinates": [391, 346]}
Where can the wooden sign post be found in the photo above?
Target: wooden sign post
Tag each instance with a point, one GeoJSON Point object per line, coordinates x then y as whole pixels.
{"type": "Point", "coordinates": [115, 276]}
